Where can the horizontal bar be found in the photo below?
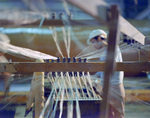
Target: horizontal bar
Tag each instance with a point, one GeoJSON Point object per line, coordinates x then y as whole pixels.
{"type": "Point", "coordinates": [51, 22]}
{"type": "Point", "coordinates": [29, 67]}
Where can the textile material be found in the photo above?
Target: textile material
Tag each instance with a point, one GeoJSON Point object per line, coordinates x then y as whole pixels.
{"type": "Point", "coordinates": [116, 89]}
{"type": "Point", "coordinates": [3, 59]}
{"type": "Point", "coordinates": [4, 38]}
{"type": "Point", "coordinates": [117, 77]}
{"type": "Point", "coordinates": [116, 98]}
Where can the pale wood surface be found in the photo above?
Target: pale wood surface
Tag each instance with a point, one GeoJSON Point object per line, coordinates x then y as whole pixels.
{"type": "Point", "coordinates": [39, 93]}
{"type": "Point", "coordinates": [131, 31]}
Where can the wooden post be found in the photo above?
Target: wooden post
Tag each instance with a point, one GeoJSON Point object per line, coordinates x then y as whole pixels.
{"type": "Point", "coordinates": [31, 96]}
{"type": "Point", "coordinates": [114, 33]}
{"type": "Point", "coordinates": [36, 93]}
{"type": "Point", "coordinates": [39, 92]}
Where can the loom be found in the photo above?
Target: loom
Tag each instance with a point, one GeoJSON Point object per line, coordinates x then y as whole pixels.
{"type": "Point", "coordinates": [75, 67]}
{"type": "Point", "coordinates": [79, 78]}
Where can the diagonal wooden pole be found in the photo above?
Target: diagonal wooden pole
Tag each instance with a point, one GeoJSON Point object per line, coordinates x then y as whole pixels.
{"type": "Point", "coordinates": [114, 33]}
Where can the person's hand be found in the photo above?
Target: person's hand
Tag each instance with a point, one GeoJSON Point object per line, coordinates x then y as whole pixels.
{"type": "Point", "coordinates": [100, 44]}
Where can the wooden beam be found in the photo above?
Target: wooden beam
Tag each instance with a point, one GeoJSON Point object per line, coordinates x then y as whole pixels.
{"type": "Point", "coordinates": [131, 31]}
{"type": "Point", "coordinates": [14, 97]}
{"type": "Point", "coordinates": [136, 95]}
{"type": "Point", "coordinates": [30, 67]}
{"type": "Point", "coordinates": [50, 22]}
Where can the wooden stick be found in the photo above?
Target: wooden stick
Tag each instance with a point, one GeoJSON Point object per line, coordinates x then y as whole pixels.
{"type": "Point", "coordinates": [56, 23]}
{"type": "Point", "coordinates": [114, 34]}
{"type": "Point", "coordinates": [30, 67]}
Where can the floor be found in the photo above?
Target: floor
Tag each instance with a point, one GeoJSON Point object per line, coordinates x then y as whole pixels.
{"type": "Point", "coordinates": [134, 110]}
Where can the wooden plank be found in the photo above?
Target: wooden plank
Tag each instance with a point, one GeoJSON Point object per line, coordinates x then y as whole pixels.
{"type": "Point", "coordinates": [29, 67]}
{"type": "Point", "coordinates": [136, 95]}
{"type": "Point", "coordinates": [14, 97]}
{"type": "Point", "coordinates": [131, 31]}
{"type": "Point", "coordinates": [50, 22]}
{"type": "Point", "coordinates": [137, 91]}
{"type": "Point", "coordinates": [125, 26]}
{"type": "Point", "coordinates": [39, 91]}
{"type": "Point", "coordinates": [15, 93]}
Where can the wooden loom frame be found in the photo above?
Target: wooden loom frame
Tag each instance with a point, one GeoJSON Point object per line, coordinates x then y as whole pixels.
{"type": "Point", "coordinates": [108, 67]}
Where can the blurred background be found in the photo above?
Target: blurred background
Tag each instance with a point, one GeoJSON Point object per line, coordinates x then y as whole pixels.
{"type": "Point", "coordinates": [27, 22]}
